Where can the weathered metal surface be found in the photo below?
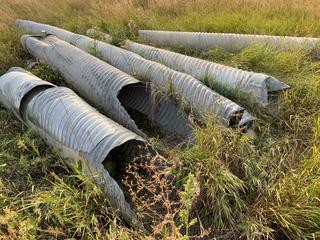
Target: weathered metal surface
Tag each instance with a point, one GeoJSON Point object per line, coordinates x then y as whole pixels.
{"type": "Point", "coordinates": [68, 123]}
{"type": "Point", "coordinates": [186, 87]}
{"type": "Point", "coordinates": [106, 86]}
{"type": "Point", "coordinates": [16, 85]}
{"type": "Point", "coordinates": [257, 87]}
{"type": "Point", "coordinates": [227, 41]}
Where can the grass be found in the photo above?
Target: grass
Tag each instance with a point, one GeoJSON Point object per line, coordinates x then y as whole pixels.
{"type": "Point", "coordinates": [240, 187]}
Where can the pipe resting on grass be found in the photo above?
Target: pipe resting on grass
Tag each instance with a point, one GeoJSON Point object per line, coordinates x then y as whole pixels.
{"type": "Point", "coordinates": [229, 41]}
{"type": "Point", "coordinates": [115, 92]}
{"type": "Point", "coordinates": [185, 87]}
{"type": "Point", "coordinates": [79, 131]}
{"type": "Point", "coordinates": [258, 88]}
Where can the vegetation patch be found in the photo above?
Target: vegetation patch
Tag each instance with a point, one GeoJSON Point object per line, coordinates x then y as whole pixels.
{"type": "Point", "coordinates": [226, 185]}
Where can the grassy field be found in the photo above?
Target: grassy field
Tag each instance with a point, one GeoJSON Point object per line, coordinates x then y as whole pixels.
{"type": "Point", "coordinates": [228, 185]}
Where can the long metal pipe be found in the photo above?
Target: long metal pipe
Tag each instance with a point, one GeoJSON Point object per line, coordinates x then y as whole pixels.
{"type": "Point", "coordinates": [187, 88]}
{"type": "Point", "coordinates": [107, 87]}
{"type": "Point", "coordinates": [258, 88]}
{"type": "Point", "coordinates": [79, 131]}
{"type": "Point", "coordinates": [228, 41]}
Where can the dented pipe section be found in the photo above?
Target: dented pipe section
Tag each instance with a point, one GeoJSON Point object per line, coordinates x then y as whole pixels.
{"type": "Point", "coordinates": [68, 123]}
{"type": "Point", "coordinates": [188, 89]}
{"type": "Point", "coordinates": [228, 41]}
{"type": "Point", "coordinates": [107, 87]}
{"type": "Point", "coordinates": [259, 88]}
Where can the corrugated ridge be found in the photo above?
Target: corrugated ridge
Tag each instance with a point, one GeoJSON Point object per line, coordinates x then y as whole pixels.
{"type": "Point", "coordinates": [227, 41]}
{"type": "Point", "coordinates": [66, 122]}
{"type": "Point", "coordinates": [50, 112]}
{"type": "Point", "coordinates": [70, 121]}
{"type": "Point", "coordinates": [163, 111]}
{"type": "Point", "coordinates": [239, 81]}
{"type": "Point", "coordinates": [15, 85]}
{"type": "Point", "coordinates": [96, 80]}
{"type": "Point", "coordinates": [160, 75]}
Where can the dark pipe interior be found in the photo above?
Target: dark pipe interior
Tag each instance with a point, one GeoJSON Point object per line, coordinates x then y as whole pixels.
{"type": "Point", "coordinates": [235, 118]}
{"type": "Point", "coordinates": [118, 157]}
{"type": "Point", "coordinates": [28, 97]}
{"type": "Point", "coordinates": [136, 99]}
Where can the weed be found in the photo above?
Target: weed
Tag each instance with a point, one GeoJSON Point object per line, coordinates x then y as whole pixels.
{"type": "Point", "coordinates": [47, 73]}
{"type": "Point", "coordinates": [93, 50]}
{"type": "Point", "coordinates": [187, 197]}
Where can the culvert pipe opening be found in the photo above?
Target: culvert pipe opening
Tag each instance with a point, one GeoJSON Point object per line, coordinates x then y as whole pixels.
{"type": "Point", "coordinates": [135, 98]}
{"type": "Point", "coordinates": [187, 88]}
{"type": "Point", "coordinates": [153, 115]}
{"type": "Point", "coordinates": [80, 132]}
{"type": "Point", "coordinates": [101, 83]}
{"type": "Point", "coordinates": [236, 118]}
{"type": "Point", "coordinates": [124, 154]}
{"type": "Point", "coordinates": [29, 96]}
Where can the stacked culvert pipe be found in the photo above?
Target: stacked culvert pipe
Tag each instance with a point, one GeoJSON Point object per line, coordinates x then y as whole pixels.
{"type": "Point", "coordinates": [66, 122]}
{"type": "Point", "coordinates": [79, 131]}
{"type": "Point", "coordinates": [228, 41]}
{"type": "Point", "coordinates": [115, 92]}
{"type": "Point", "coordinates": [257, 88]}
{"type": "Point", "coordinates": [186, 87]}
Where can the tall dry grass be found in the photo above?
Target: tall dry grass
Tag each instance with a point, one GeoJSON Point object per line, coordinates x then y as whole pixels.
{"type": "Point", "coordinates": [301, 15]}
{"type": "Point", "coordinates": [266, 188]}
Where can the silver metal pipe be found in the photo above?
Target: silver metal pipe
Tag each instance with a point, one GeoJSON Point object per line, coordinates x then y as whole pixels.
{"type": "Point", "coordinates": [79, 131]}
{"type": "Point", "coordinates": [188, 89]}
{"type": "Point", "coordinates": [228, 41]}
{"type": "Point", "coordinates": [107, 87]}
{"type": "Point", "coordinates": [258, 88]}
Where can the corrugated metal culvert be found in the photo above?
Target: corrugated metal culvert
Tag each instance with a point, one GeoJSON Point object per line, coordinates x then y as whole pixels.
{"type": "Point", "coordinates": [187, 88]}
{"type": "Point", "coordinates": [68, 123]}
{"type": "Point", "coordinates": [16, 85]}
{"type": "Point", "coordinates": [227, 41]}
{"type": "Point", "coordinates": [257, 87]}
{"type": "Point", "coordinates": [107, 87]}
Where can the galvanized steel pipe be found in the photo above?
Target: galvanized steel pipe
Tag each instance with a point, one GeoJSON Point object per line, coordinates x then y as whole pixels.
{"type": "Point", "coordinates": [227, 41]}
{"type": "Point", "coordinates": [186, 87]}
{"type": "Point", "coordinates": [257, 87]}
{"type": "Point", "coordinates": [68, 123]}
{"type": "Point", "coordinates": [107, 87]}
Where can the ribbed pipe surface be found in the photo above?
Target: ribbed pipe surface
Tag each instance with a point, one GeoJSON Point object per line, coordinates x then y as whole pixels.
{"type": "Point", "coordinates": [68, 123]}
{"type": "Point", "coordinates": [101, 84]}
{"type": "Point", "coordinates": [186, 87]}
{"type": "Point", "coordinates": [15, 85]}
{"type": "Point", "coordinates": [257, 87]}
{"type": "Point", "coordinates": [227, 41]}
